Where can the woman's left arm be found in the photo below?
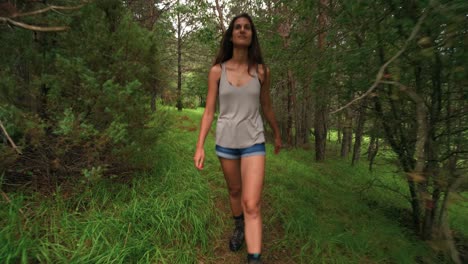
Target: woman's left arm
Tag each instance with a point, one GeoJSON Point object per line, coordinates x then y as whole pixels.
{"type": "Point", "coordinates": [267, 109]}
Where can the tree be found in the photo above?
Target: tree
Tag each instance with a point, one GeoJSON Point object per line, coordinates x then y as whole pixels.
{"type": "Point", "coordinates": [10, 15]}
{"type": "Point", "coordinates": [74, 101]}
{"type": "Point", "coordinates": [321, 109]}
{"type": "Point", "coordinates": [412, 100]}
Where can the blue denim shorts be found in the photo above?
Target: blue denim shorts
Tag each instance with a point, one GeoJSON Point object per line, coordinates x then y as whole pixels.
{"type": "Point", "coordinates": [237, 153]}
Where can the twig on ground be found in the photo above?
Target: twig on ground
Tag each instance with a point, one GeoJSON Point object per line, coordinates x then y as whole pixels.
{"type": "Point", "coordinates": [5, 196]}
{"type": "Point", "coordinates": [9, 138]}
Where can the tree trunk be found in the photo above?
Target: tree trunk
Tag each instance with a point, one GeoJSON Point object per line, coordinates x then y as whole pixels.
{"type": "Point", "coordinates": [347, 134]}
{"type": "Point", "coordinates": [446, 233]}
{"type": "Point", "coordinates": [289, 129]}
{"type": "Point", "coordinates": [320, 133]}
{"type": "Point", "coordinates": [359, 132]}
{"type": "Point", "coordinates": [391, 135]}
{"type": "Point", "coordinates": [154, 96]}
{"type": "Point", "coordinates": [321, 111]}
{"type": "Point", "coordinates": [407, 165]}
{"type": "Point", "coordinates": [373, 150]}
{"type": "Point", "coordinates": [219, 9]}
{"type": "Point", "coordinates": [339, 128]}
{"type": "Point", "coordinates": [284, 30]}
{"type": "Point", "coordinates": [293, 114]}
{"type": "Point", "coordinates": [179, 61]}
{"type": "Point", "coordinates": [432, 167]}
{"type": "Point", "coordinates": [302, 125]}
{"type": "Point", "coordinates": [419, 153]}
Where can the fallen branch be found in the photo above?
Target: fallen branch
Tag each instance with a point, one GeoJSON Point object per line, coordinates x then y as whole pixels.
{"type": "Point", "coordinates": [32, 27]}
{"type": "Point", "coordinates": [9, 138]}
{"type": "Point", "coordinates": [5, 196]}
{"type": "Point", "coordinates": [49, 8]}
{"type": "Point", "coordinates": [381, 71]}
{"type": "Point", "coordinates": [9, 19]}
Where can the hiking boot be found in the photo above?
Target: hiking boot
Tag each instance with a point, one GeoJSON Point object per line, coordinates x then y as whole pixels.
{"type": "Point", "coordinates": [237, 238]}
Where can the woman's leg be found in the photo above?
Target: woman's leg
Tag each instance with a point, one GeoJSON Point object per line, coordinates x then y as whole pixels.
{"type": "Point", "coordinates": [252, 171]}
{"type": "Point", "coordinates": [231, 170]}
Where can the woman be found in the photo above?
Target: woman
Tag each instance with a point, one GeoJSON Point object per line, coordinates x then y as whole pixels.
{"type": "Point", "coordinates": [242, 82]}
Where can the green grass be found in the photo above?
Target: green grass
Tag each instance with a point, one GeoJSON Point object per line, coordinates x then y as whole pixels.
{"type": "Point", "coordinates": [164, 217]}
{"type": "Point", "coordinates": [327, 216]}
{"type": "Point", "coordinates": [321, 212]}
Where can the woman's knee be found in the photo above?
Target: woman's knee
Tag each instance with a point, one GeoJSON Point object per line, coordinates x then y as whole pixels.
{"type": "Point", "coordinates": [235, 191]}
{"type": "Point", "coordinates": [251, 208]}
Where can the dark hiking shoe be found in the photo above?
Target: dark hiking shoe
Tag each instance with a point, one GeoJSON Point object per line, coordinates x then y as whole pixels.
{"type": "Point", "coordinates": [254, 258]}
{"type": "Point", "coordinates": [237, 238]}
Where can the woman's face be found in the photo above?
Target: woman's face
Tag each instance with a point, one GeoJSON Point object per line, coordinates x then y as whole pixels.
{"type": "Point", "coordinates": [242, 32]}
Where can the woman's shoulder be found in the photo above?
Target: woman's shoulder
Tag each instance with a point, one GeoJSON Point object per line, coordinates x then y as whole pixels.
{"type": "Point", "coordinates": [215, 70]}
{"type": "Point", "coordinates": [262, 68]}
{"type": "Point", "coordinates": [263, 73]}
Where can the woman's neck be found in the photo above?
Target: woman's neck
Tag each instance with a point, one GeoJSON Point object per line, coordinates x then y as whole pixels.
{"type": "Point", "coordinates": [240, 56]}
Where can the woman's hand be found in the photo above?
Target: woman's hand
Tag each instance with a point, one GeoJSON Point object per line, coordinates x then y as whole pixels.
{"type": "Point", "coordinates": [199, 158]}
{"type": "Point", "coordinates": [277, 144]}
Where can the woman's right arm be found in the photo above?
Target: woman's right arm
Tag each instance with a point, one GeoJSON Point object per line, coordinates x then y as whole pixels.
{"type": "Point", "coordinates": [208, 114]}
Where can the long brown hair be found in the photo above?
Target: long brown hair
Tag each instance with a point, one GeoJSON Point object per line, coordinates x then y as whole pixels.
{"type": "Point", "coordinates": [226, 47]}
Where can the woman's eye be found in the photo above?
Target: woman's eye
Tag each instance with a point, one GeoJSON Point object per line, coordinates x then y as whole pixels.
{"type": "Point", "coordinates": [246, 27]}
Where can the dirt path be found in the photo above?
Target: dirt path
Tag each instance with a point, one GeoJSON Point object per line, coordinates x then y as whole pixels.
{"type": "Point", "coordinates": [272, 253]}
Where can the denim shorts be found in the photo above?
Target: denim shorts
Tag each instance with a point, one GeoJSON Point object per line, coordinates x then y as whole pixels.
{"type": "Point", "coordinates": [237, 153]}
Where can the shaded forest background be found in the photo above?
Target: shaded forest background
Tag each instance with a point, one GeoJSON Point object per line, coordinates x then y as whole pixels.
{"type": "Point", "coordinates": [84, 85]}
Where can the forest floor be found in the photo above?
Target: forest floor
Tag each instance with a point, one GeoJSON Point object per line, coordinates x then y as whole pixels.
{"type": "Point", "coordinates": [328, 212]}
{"type": "Point", "coordinates": [291, 172]}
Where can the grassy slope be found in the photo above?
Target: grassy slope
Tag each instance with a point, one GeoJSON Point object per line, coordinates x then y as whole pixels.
{"type": "Point", "coordinates": [167, 217]}
{"type": "Point", "coordinates": [314, 213]}
{"type": "Point", "coordinates": [326, 213]}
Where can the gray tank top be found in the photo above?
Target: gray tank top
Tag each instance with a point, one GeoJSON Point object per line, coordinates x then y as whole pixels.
{"type": "Point", "coordinates": [239, 123]}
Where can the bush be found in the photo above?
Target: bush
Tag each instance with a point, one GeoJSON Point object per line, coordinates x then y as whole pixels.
{"type": "Point", "coordinates": [77, 103]}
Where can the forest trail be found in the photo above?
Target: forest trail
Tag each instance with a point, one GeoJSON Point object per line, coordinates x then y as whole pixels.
{"type": "Point", "coordinates": [272, 231]}
{"type": "Point", "coordinates": [312, 213]}
{"type": "Point", "coordinates": [273, 251]}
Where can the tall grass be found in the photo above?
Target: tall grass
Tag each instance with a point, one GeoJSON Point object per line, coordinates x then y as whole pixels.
{"type": "Point", "coordinates": [320, 213]}
{"type": "Point", "coordinates": [373, 208]}
{"type": "Point", "coordinates": [332, 217]}
{"type": "Point", "coordinates": [167, 216]}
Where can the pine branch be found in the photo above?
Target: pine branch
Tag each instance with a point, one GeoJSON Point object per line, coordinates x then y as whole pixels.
{"type": "Point", "coordinates": [9, 20]}
{"type": "Point", "coordinates": [32, 27]}
{"type": "Point", "coordinates": [381, 71]}
{"type": "Point", "coordinates": [43, 10]}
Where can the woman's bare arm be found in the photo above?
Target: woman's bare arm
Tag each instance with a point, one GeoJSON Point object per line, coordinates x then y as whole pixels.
{"type": "Point", "coordinates": [208, 114]}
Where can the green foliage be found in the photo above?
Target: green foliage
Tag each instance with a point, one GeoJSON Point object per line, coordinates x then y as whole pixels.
{"type": "Point", "coordinates": [77, 104]}
{"type": "Point", "coordinates": [320, 213]}
{"type": "Point", "coordinates": [332, 213]}
{"type": "Point", "coordinates": [81, 98]}
{"type": "Point", "coordinates": [168, 217]}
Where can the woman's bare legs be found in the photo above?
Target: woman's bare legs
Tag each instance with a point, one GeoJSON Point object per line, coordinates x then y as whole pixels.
{"type": "Point", "coordinates": [245, 183]}
{"type": "Point", "coordinates": [232, 174]}
{"type": "Point", "coordinates": [252, 171]}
